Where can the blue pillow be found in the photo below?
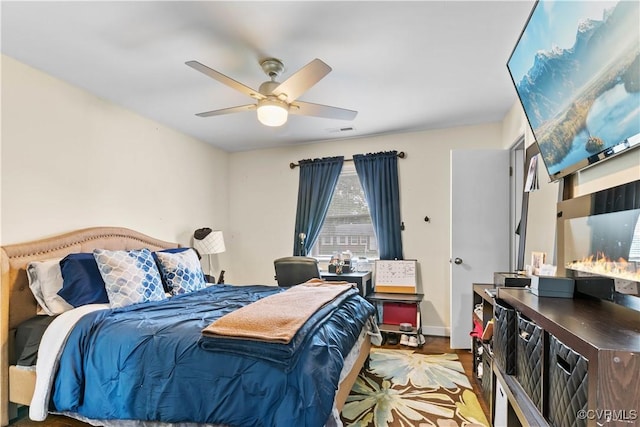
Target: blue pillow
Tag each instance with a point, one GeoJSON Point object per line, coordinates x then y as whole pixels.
{"type": "Point", "coordinates": [174, 250]}
{"type": "Point", "coordinates": [81, 280]}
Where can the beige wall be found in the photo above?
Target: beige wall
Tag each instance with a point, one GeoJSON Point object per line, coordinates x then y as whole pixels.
{"type": "Point", "coordinates": [616, 171]}
{"type": "Point", "coordinates": [72, 160]}
{"type": "Point", "coordinates": [541, 225]}
{"type": "Point", "coordinates": [263, 192]}
{"type": "Point", "coordinates": [514, 126]}
{"type": "Point", "coordinates": [541, 228]}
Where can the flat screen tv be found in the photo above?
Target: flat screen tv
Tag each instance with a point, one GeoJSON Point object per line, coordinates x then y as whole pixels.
{"type": "Point", "coordinates": [576, 69]}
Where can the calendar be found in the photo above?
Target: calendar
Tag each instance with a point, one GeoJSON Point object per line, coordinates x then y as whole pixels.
{"type": "Point", "coordinates": [396, 276]}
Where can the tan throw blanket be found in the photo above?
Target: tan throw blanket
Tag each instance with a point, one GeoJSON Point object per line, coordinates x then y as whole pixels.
{"type": "Point", "coordinates": [278, 317]}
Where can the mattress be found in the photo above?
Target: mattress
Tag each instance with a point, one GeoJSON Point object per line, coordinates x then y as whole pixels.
{"type": "Point", "coordinates": [27, 339]}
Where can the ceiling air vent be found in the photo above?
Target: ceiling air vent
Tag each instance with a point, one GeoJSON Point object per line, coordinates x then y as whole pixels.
{"type": "Point", "coordinates": [337, 130]}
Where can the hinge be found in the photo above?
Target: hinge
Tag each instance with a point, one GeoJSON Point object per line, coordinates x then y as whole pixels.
{"type": "Point", "coordinates": [510, 170]}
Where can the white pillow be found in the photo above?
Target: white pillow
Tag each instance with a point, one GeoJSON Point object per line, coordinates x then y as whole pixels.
{"type": "Point", "coordinates": [45, 280]}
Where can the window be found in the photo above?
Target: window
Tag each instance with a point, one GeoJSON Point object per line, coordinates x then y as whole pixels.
{"type": "Point", "coordinates": [348, 222]}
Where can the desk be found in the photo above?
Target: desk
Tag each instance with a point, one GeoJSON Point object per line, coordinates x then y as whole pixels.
{"type": "Point", "coordinates": [362, 279]}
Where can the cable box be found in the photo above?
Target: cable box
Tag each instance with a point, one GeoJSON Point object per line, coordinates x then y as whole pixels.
{"type": "Point", "coordinates": [510, 280]}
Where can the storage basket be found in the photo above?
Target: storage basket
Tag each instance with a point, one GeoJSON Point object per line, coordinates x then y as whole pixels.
{"type": "Point", "coordinates": [504, 337]}
{"type": "Point", "coordinates": [529, 359]}
{"type": "Point", "coordinates": [487, 374]}
{"type": "Point", "coordinates": [395, 313]}
{"type": "Point", "coordinates": [568, 385]}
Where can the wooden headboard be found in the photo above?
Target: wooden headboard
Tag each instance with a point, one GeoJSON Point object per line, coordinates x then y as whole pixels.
{"type": "Point", "coordinates": [17, 303]}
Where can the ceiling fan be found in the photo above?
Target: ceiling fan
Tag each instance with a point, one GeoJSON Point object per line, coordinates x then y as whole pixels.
{"type": "Point", "coordinates": [275, 101]}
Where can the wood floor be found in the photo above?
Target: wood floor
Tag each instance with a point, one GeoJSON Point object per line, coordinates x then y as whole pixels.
{"type": "Point", "coordinates": [433, 345]}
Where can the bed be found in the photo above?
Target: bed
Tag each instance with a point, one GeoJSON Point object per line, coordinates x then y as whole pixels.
{"type": "Point", "coordinates": [265, 375]}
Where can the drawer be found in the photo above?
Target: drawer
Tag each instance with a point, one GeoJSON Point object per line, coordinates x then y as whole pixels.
{"type": "Point", "coordinates": [504, 337]}
{"type": "Point", "coordinates": [529, 346]}
{"type": "Point", "coordinates": [568, 384]}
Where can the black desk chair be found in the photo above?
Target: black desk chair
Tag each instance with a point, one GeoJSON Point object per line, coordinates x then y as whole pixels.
{"type": "Point", "coordinates": [293, 270]}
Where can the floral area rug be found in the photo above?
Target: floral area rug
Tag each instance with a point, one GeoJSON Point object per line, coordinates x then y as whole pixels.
{"type": "Point", "coordinates": [402, 388]}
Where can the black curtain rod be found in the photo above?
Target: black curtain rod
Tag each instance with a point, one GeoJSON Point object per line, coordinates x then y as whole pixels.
{"type": "Point", "coordinates": [400, 155]}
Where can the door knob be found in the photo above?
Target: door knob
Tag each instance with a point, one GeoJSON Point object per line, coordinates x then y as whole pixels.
{"type": "Point", "coordinates": [457, 261]}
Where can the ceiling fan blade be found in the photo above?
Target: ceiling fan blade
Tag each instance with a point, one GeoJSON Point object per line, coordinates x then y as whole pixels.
{"type": "Point", "coordinates": [224, 79]}
{"type": "Point", "coordinates": [238, 109]}
{"type": "Point", "coordinates": [302, 80]}
{"type": "Point", "coordinates": [319, 110]}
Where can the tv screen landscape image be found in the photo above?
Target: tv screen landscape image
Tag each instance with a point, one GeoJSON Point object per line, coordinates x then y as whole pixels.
{"type": "Point", "coordinates": [576, 69]}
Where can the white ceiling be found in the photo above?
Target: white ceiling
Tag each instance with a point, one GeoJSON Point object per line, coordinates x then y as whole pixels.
{"type": "Point", "coordinates": [404, 66]}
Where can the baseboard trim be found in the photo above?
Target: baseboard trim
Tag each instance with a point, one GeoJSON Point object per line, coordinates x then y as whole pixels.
{"type": "Point", "coordinates": [437, 331]}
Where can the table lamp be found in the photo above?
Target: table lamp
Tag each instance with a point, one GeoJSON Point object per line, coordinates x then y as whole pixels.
{"type": "Point", "coordinates": [208, 242]}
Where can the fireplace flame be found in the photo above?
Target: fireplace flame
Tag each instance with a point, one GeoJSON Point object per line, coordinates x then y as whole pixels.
{"type": "Point", "coordinates": [600, 264]}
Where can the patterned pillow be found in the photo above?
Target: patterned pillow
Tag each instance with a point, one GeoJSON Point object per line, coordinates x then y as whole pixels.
{"type": "Point", "coordinates": [167, 288]}
{"type": "Point", "coordinates": [130, 277]}
{"type": "Point", "coordinates": [181, 271]}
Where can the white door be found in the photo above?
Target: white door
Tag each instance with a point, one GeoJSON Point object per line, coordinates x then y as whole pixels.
{"type": "Point", "coordinates": [479, 230]}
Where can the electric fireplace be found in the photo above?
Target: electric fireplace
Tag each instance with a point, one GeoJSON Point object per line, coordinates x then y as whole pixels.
{"type": "Point", "coordinates": [599, 243]}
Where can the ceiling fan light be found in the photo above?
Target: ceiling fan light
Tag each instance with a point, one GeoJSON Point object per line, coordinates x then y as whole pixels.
{"type": "Point", "coordinates": [272, 112]}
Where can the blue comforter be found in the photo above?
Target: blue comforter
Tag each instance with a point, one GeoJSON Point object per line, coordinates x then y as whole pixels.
{"type": "Point", "coordinates": [148, 362]}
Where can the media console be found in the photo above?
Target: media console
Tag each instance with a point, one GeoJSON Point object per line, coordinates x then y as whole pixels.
{"type": "Point", "coordinates": [586, 363]}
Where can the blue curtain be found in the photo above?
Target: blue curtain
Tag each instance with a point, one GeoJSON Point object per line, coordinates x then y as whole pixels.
{"type": "Point", "coordinates": [318, 180]}
{"type": "Point", "coordinates": [378, 174]}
